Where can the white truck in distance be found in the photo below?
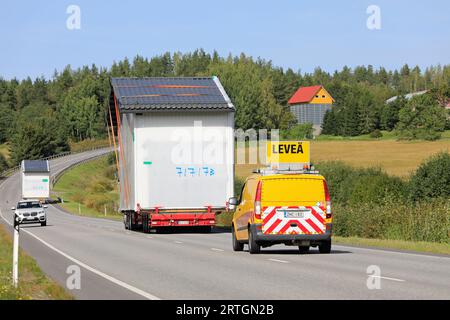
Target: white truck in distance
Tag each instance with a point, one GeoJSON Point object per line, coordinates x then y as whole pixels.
{"type": "Point", "coordinates": [35, 179]}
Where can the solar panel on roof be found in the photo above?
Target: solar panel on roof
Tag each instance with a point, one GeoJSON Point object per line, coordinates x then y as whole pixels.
{"type": "Point", "coordinates": [169, 93]}
{"type": "Point", "coordinates": [35, 166]}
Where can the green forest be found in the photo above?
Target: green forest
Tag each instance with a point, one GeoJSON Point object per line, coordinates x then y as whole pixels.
{"type": "Point", "coordinates": [39, 117]}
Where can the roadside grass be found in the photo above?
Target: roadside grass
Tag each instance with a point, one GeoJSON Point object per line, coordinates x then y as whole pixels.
{"type": "Point", "coordinates": [419, 246]}
{"type": "Point", "coordinates": [88, 144]}
{"type": "Point", "coordinates": [397, 158]}
{"type": "Point", "coordinates": [88, 189]}
{"type": "Point", "coordinates": [33, 283]}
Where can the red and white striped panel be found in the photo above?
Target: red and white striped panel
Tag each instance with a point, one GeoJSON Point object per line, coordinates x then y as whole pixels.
{"type": "Point", "coordinates": [275, 223]}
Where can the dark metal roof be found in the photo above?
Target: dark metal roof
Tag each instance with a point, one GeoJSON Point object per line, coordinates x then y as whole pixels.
{"type": "Point", "coordinates": [159, 94]}
{"type": "Point", "coordinates": [35, 166]}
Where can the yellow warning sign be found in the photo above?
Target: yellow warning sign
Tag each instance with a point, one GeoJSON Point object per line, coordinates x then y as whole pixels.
{"type": "Point", "coordinates": [288, 152]}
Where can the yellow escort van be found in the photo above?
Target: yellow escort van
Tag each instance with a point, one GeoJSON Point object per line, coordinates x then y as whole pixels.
{"type": "Point", "coordinates": [283, 207]}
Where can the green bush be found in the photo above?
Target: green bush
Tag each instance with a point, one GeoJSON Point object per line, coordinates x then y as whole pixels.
{"type": "Point", "coordinates": [421, 118]}
{"type": "Point", "coordinates": [238, 183]}
{"type": "Point", "coordinates": [111, 158]}
{"type": "Point", "coordinates": [375, 187]}
{"type": "Point", "coordinates": [3, 163]}
{"type": "Point", "coordinates": [350, 185]}
{"type": "Point", "coordinates": [375, 134]}
{"type": "Point", "coordinates": [111, 172]}
{"type": "Point", "coordinates": [432, 178]}
{"type": "Point", "coordinates": [298, 132]}
{"type": "Point", "coordinates": [424, 221]}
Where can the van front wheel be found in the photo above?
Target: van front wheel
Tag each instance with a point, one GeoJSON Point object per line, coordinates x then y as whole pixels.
{"type": "Point", "coordinates": [237, 246]}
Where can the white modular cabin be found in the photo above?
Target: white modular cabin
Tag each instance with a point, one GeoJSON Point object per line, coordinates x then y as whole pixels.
{"type": "Point", "coordinates": [176, 142]}
{"type": "Point", "coordinates": [35, 179]}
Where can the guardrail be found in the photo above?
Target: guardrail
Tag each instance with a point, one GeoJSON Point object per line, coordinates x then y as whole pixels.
{"type": "Point", "coordinates": [11, 171]}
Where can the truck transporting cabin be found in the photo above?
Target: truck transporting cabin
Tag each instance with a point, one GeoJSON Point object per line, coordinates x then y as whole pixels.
{"type": "Point", "coordinates": [175, 150]}
{"type": "Point", "coordinates": [35, 179]}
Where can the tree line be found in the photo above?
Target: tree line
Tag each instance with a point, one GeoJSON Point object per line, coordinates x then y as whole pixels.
{"type": "Point", "coordinates": [39, 117]}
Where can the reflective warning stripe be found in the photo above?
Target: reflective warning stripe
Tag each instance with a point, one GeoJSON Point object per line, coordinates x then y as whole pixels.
{"type": "Point", "coordinates": [313, 225]}
{"type": "Point", "coordinates": [275, 223]}
{"type": "Point", "coordinates": [317, 215]}
{"type": "Point", "coordinates": [273, 226]}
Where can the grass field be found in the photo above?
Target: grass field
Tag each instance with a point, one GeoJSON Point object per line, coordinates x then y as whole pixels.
{"type": "Point", "coordinates": [419, 246]}
{"type": "Point", "coordinates": [87, 190]}
{"type": "Point", "coordinates": [33, 283]}
{"type": "Point", "coordinates": [386, 135]}
{"type": "Point", "coordinates": [88, 144]}
{"type": "Point", "coordinates": [398, 158]}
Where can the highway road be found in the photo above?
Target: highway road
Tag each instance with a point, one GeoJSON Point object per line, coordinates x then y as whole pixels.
{"type": "Point", "coordinates": [119, 264]}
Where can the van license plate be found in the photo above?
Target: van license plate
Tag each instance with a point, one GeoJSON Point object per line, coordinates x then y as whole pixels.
{"type": "Point", "coordinates": [294, 214]}
{"type": "Point", "coordinates": [297, 214]}
{"type": "Point", "coordinates": [183, 222]}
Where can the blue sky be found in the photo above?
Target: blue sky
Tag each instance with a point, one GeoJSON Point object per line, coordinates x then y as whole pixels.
{"type": "Point", "coordinates": [292, 33]}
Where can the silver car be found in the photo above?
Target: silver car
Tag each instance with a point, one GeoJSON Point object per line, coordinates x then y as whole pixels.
{"type": "Point", "coordinates": [30, 211]}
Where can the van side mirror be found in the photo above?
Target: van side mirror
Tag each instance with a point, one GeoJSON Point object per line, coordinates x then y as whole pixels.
{"type": "Point", "coordinates": [45, 206]}
{"type": "Point", "coordinates": [13, 208]}
{"type": "Point", "coordinates": [232, 203]}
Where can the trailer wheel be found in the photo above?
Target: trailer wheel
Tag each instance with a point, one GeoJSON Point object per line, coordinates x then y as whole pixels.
{"type": "Point", "coordinates": [130, 221]}
{"type": "Point", "coordinates": [207, 229]}
{"type": "Point", "coordinates": [145, 221]}
{"type": "Point", "coordinates": [125, 221]}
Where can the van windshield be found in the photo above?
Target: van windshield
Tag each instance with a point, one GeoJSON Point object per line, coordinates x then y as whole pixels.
{"type": "Point", "coordinates": [292, 190]}
{"type": "Point", "coordinates": [28, 205]}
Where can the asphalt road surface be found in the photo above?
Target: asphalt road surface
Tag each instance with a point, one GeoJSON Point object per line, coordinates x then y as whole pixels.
{"type": "Point", "coordinates": [119, 264]}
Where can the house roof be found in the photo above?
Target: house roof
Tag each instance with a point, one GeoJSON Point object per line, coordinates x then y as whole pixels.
{"type": "Point", "coordinates": [304, 94]}
{"type": "Point", "coordinates": [35, 166]}
{"type": "Point", "coordinates": [168, 94]}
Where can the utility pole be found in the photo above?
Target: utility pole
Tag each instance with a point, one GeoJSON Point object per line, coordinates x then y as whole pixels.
{"type": "Point", "coordinates": [16, 252]}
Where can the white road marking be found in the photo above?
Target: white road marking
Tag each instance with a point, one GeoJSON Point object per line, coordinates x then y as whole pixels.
{"type": "Point", "coordinates": [280, 261]}
{"type": "Point", "coordinates": [387, 278]}
{"type": "Point", "coordinates": [149, 237]}
{"type": "Point", "coordinates": [218, 250]}
{"type": "Point", "coordinates": [178, 242]}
